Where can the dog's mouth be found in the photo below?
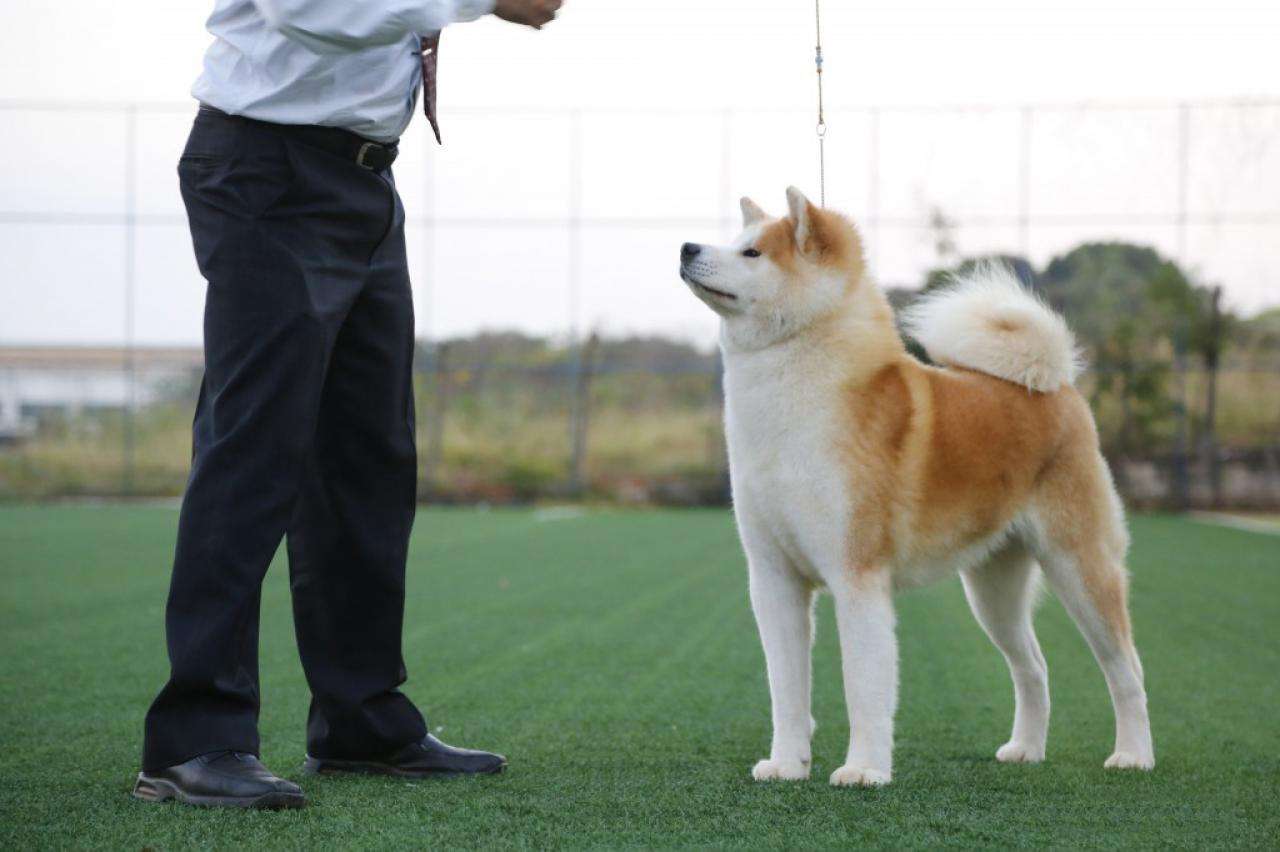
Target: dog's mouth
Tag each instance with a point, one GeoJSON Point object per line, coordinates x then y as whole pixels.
{"type": "Point", "coordinates": [689, 279]}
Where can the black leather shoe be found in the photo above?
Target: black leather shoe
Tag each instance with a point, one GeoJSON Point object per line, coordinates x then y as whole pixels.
{"type": "Point", "coordinates": [427, 759]}
{"type": "Point", "coordinates": [230, 779]}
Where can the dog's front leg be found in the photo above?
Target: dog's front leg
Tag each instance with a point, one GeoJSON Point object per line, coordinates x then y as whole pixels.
{"type": "Point", "coordinates": [869, 656]}
{"type": "Point", "coordinates": [783, 605]}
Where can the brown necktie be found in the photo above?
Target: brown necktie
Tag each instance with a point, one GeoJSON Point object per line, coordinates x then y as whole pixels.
{"type": "Point", "coordinates": [430, 56]}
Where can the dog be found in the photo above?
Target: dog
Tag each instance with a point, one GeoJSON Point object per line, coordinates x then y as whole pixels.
{"type": "Point", "coordinates": [857, 468]}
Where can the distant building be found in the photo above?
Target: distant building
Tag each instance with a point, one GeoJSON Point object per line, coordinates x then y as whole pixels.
{"type": "Point", "coordinates": [73, 380]}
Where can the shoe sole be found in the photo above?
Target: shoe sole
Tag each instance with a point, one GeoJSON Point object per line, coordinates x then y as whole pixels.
{"type": "Point", "coordinates": [316, 766]}
{"type": "Point", "coordinates": [158, 790]}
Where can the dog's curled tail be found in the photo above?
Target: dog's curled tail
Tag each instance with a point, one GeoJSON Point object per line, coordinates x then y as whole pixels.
{"type": "Point", "coordinates": [985, 320]}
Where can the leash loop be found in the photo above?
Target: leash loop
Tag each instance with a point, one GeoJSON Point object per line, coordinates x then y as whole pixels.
{"type": "Point", "coordinates": [821, 127]}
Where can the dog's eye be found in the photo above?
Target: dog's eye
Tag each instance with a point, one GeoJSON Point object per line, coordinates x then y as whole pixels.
{"type": "Point", "coordinates": [751, 253]}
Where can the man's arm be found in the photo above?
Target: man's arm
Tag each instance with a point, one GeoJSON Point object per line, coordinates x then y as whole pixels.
{"type": "Point", "coordinates": [531, 13]}
{"type": "Point", "coordinates": [339, 26]}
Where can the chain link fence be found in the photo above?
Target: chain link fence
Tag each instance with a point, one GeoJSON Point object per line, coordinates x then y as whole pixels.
{"type": "Point", "coordinates": [611, 386]}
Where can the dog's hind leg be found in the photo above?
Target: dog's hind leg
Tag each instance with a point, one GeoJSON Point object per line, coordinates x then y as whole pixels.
{"type": "Point", "coordinates": [869, 659]}
{"type": "Point", "coordinates": [1093, 590]}
{"type": "Point", "coordinates": [1001, 593]}
{"type": "Point", "coordinates": [783, 606]}
{"type": "Point", "coordinates": [1081, 549]}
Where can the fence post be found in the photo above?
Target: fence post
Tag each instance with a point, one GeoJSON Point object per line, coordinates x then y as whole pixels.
{"type": "Point", "coordinates": [716, 449]}
{"type": "Point", "coordinates": [436, 420]}
{"type": "Point", "coordinates": [726, 174]}
{"type": "Point", "coordinates": [128, 426]}
{"type": "Point", "coordinates": [1181, 480]}
{"type": "Point", "coordinates": [1209, 439]}
{"type": "Point", "coordinates": [873, 187]}
{"type": "Point", "coordinates": [584, 366]}
{"type": "Point", "coordinates": [1024, 181]}
{"type": "Point", "coordinates": [575, 226]}
{"type": "Point", "coordinates": [1271, 464]}
{"type": "Point", "coordinates": [1184, 176]}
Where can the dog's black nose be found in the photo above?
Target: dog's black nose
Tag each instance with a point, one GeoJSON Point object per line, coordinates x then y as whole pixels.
{"type": "Point", "coordinates": [689, 251]}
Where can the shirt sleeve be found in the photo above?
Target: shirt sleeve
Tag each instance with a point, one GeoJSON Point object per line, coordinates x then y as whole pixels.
{"type": "Point", "coordinates": [341, 26]}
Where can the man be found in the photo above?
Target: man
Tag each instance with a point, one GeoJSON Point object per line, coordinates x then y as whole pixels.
{"type": "Point", "coordinates": [305, 422]}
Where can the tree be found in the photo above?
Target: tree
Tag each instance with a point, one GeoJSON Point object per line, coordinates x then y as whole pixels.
{"type": "Point", "coordinates": [1134, 313]}
{"type": "Point", "coordinates": [1138, 314]}
{"type": "Point", "coordinates": [1022, 270]}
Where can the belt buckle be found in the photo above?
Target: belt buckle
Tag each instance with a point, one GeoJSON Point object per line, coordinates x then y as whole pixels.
{"type": "Point", "coordinates": [364, 149]}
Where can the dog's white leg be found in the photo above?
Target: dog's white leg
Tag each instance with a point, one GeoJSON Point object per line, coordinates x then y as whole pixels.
{"type": "Point", "coordinates": [1093, 589]}
{"type": "Point", "coordinates": [869, 656]}
{"type": "Point", "coordinates": [783, 605]}
{"type": "Point", "coordinates": [1001, 594]}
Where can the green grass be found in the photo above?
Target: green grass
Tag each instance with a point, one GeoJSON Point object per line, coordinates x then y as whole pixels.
{"type": "Point", "coordinates": [613, 657]}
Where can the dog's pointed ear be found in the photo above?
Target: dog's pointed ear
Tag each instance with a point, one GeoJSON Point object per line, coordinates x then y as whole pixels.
{"type": "Point", "coordinates": [751, 212]}
{"type": "Point", "coordinates": [803, 214]}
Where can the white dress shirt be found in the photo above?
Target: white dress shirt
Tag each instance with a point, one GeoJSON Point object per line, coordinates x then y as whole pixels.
{"type": "Point", "coordinates": [352, 64]}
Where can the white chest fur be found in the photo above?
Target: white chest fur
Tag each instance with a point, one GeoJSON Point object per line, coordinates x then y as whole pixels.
{"type": "Point", "coordinates": [793, 492]}
{"type": "Point", "coordinates": [781, 425]}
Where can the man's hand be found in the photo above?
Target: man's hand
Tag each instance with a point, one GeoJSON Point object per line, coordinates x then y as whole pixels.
{"type": "Point", "coordinates": [531, 13]}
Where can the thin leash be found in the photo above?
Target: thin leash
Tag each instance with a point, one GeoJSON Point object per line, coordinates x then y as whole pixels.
{"type": "Point", "coordinates": [822, 119]}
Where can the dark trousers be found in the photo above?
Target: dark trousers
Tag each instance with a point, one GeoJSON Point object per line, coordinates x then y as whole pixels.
{"type": "Point", "coordinates": [305, 429]}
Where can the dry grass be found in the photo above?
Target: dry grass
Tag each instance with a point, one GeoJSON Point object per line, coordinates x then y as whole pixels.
{"type": "Point", "coordinates": [507, 436]}
{"type": "Point", "coordinates": [500, 443]}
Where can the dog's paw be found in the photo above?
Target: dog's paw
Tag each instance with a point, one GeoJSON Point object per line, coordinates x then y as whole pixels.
{"type": "Point", "coordinates": [1016, 752]}
{"type": "Point", "coordinates": [858, 776]}
{"type": "Point", "coordinates": [1129, 760]}
{"type": "Point", "coordinates": [780, 770]}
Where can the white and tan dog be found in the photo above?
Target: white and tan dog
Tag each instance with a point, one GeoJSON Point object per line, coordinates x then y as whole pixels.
{"type": "Point", "coordinates": [859, 469]}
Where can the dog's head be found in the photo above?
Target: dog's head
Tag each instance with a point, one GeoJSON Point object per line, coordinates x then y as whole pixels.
{"type": "Point", "coordinates": [780, 275]}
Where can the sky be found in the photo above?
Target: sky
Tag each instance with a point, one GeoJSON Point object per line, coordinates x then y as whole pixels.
{"type": "Point", "coordinates": [684, 106]}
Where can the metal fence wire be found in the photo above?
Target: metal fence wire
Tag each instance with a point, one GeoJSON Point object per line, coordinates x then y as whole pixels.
{"type": "Point", "coordinates": [101, 320]}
